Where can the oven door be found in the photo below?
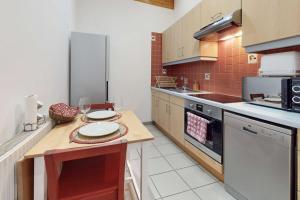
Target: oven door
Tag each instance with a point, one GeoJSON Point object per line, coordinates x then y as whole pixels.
{"type": "Point", "coordinates": [213, 146]}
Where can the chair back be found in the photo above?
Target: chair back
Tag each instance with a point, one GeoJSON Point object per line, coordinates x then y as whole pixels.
{"type": "Point", "coordinates": [103, 106]}
{"type": "Point", "coordinates": [96, 172]}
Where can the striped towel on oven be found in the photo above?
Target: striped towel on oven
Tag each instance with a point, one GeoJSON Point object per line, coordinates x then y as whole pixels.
{"type": "Point", "coordinates": [197, 127]}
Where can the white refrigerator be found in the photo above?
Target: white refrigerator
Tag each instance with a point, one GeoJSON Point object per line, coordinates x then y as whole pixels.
{"type": "Point", "coordinates": [88, 68]}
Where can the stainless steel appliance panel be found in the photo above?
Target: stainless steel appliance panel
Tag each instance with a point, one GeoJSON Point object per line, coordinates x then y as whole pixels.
{"type": "Point", "coordinates": [295, 96]}
{"type": "Point", "coordinates": [272, 92]}
{"type": "Point", "coordinates": [213, 146]}
{"type": "Point", "coordinates": [205, 109]}
{"type": "Point", "coordinates": [269, 86]}
{"type": "Point", "coordinates": [258, 159]}
{"type": "Point", "coordinates": [88, 67]}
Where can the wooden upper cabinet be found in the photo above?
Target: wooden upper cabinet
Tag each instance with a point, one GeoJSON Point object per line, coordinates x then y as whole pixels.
{"type": "Point", "coordinates": [213, 10]}
{"type": "Point", "coordinates": [229, 6]}
{"type": "Point", "coordinates": [179, 44]}
{"type": "Point", "coordinates": [176, 40]}
{"type": "Point", "coordinates": [269, 20]}
{"type": "Point", "coordinates": [165, 46]}
{"type": "Point", "coordinates": [209, 11]}
{"type": "Point", "coordinates": [191, 23]}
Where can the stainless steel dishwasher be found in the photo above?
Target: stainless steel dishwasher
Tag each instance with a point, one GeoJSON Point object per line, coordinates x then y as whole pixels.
{"type": "Point", "coordinates": [259, 159]}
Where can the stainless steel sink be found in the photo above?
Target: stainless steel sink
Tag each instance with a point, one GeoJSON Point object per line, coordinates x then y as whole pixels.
{"type": "Point", "coordinates": [180, 90]}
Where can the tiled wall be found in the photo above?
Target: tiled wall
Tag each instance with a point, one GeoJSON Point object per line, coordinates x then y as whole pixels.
{"type": "Point", "coordinates": [226, 73]}
{"type": "Point", "coordinates": [156, 56]}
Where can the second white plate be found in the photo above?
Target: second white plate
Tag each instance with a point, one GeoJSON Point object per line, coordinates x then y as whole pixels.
{"type": "Point", "coordinates": [102, 114]}
{"type": "Point", "coordinates": [99, 129]}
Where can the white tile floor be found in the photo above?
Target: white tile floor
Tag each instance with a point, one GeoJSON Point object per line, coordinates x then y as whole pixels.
{"type": "Point", "coordinates": [173, 175]}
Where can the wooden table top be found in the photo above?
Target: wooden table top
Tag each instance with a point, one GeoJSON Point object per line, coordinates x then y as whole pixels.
{"type": "Point", "coordinates": [58, 137]}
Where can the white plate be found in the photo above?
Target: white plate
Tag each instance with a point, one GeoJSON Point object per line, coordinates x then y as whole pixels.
{"type": "Point", "coordinates": [99, 129]}
{"type": "Point", "coordinates": [103, 114]}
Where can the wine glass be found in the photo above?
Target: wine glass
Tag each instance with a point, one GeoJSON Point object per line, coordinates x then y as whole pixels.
{"type": "Point", "coordinates": [84, 105]}
{"type": "Point", "coordinates": [119, 103]}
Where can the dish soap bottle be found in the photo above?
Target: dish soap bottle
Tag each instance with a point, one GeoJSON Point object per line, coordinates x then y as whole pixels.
{"type": "Point", "coordinates": [196, 86]}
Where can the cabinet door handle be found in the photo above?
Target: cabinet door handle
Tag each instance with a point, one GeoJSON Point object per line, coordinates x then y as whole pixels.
{"type": "Point", "coordinates": [216, 17]}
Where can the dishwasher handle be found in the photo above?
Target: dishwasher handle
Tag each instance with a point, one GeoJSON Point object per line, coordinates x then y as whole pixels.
{"type": "Point", "coordinates": [257, 131]}
{"type": "Point", "coordinates": [249, 130]}
{"type": "Point", "coordinates": [279, 135]}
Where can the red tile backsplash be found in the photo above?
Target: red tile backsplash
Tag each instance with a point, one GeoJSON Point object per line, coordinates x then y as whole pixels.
{"type": "Point", "coordinates": [156, 56]}
{"type": "Point", "coordinates": [226, 73]}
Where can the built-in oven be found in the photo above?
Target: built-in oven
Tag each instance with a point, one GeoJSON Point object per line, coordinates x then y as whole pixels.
{"type": "Point", "coordinates": [213, 143]}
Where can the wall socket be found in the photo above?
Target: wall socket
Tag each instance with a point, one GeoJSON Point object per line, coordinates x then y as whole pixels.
{"type": "Point", "coordinates": [153, 38]}
{"type": "Point", "coordinates": [252, 58]}
{"type": "Point", "coordinates": [207, 76]}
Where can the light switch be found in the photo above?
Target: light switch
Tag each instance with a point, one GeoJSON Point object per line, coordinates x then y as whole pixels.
{"type": "Point", "coordinates": [153, 38]}
{"type": "Point", "coordinates": [207, 76]}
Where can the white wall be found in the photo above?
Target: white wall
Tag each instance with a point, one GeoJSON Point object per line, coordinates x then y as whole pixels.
{"type": "Point", "coordinates": [129, 25]}
{"type": "Point", "coordinates": [33, 56]}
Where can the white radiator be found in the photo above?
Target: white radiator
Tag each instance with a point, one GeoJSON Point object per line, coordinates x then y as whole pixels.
{"type": "Point", "coordinates": [8, 187]}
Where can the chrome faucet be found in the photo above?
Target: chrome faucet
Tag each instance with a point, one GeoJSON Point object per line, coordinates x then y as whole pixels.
{"type": "Point", "coordinates": [185, 83]}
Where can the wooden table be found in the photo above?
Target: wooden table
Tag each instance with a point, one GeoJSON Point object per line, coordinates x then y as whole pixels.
{"type": "Point", "coordinates": [58, 138]}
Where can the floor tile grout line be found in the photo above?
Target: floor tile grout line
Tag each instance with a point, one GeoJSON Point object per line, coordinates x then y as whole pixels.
{"type": "Point", "coordinates": [179, 177]}
{"type": "Point", "coordinates": [195, 187]}
{"type": "Point", "coordinates": [205, 185]}
{"type": "Point", "coordinates": [197, 194]}
{"type": "Point", "coordinates": [170, 153]}
{"type": "Point", "coordinates": [155, 187]}
{"type": "Point", "coordinates": [200, 188]}
{"type": "Point", "coordinates": [160, 173]}
{"type": "Point", "coordinates": [183, 180]}
{"type": "Point", "coordinates": [176, 194]}
{"type": "Point", "coordinates": [158, 150]}
{"type": "Point", "coordinates": [194, 164]}
{"type": "Point", "coordinates": [176, 170]}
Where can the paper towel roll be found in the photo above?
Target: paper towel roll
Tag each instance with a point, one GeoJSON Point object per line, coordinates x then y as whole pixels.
{"type": "Point", "coordinates": [31, 110]}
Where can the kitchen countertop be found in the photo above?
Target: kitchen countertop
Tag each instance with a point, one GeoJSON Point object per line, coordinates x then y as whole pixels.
{"type": "Point", "coordinates": [186, 96]}
{"type": "Point", "coordinates": [286, 118]}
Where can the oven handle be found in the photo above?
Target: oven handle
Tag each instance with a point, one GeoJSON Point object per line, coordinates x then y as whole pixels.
{"type": "Point", "coordinates": [211, 120]}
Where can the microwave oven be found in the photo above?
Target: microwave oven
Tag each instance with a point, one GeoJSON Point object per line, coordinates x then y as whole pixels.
{"type": "Point", "coordinates": [276, 92]}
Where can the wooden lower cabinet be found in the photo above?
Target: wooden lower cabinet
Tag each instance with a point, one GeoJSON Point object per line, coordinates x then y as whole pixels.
{"type": "Point", "coordinates": [154, 111]}
{"type": "Point", "coordinates": [177, 122]}
{"type": "Point", "coordinates": [163, 114]}
{"type": "Point", "coordinates": [168, 114]}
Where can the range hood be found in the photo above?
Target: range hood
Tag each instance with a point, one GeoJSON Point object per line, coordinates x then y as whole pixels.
{"type": "Point", "coordinates": [233, 19]}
